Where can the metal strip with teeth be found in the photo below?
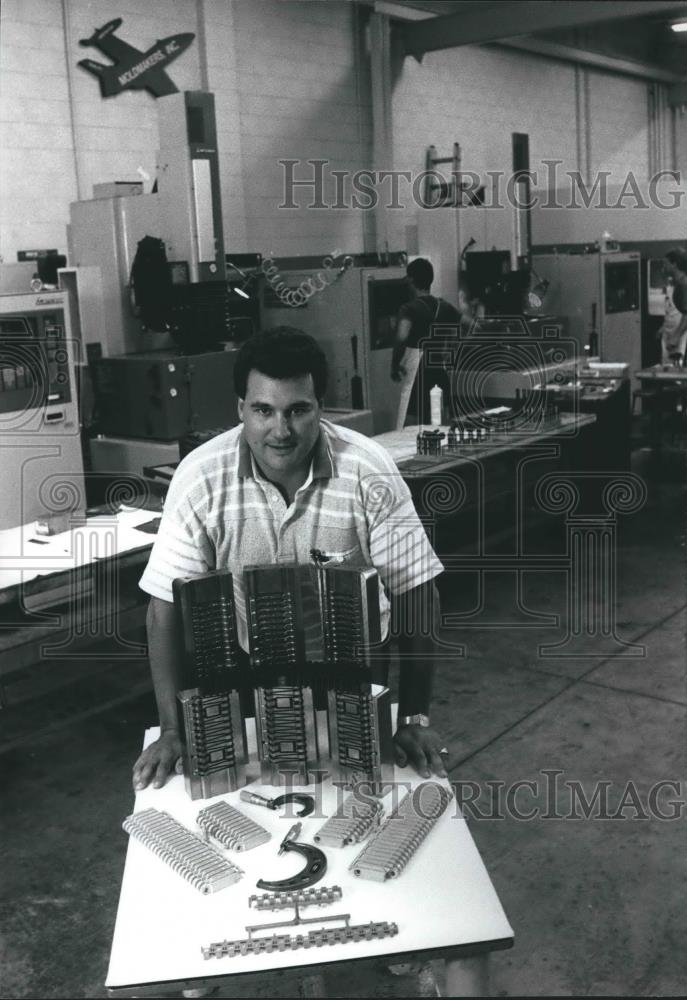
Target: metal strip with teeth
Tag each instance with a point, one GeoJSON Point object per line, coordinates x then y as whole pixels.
{"type": "Point", "coordinates": [210, 635]}
{"type": "Point", "coordinates": [284, 713]}
{"type": "Point", "coordinates": [352, 822]}
{"type": "Point", "coordinates": [390, 849]}
{"type": "Point", "coordinates": [360, 736]}
{"type": "Point", "coordinates": [291, 942]}
{"type": "Point", "coordinates": [189, 856]}
{"type": "Point", "coordinates": [231, 828]}
{"type": "Point", "coordinates": [274, 614]}
{"type": "Point", "coordinates": [320, 896]}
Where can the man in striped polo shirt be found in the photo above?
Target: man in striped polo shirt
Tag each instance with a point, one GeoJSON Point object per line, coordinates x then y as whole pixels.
{"type": "Point", "coordinates": [282, 483]}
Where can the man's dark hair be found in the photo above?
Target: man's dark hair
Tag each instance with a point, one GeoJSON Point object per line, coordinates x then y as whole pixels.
{"type": "Point", "coordinates": [678, 257]}
{"type": "Point", "coordinates": [421, 273]}
{"type": "Point", "coordinates": [283, 352]}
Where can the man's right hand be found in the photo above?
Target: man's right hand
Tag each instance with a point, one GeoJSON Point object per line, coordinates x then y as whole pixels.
{"type": "Point", "coordinates": [398, 373]}
{"type": "Point", "coordinates": [157, 761]}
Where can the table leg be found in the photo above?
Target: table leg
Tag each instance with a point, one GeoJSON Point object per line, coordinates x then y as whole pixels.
{"type": "Point", "coordinates": [467, 977]}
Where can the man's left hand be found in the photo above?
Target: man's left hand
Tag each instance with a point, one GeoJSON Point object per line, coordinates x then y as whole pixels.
{"type": "Point", "coordinates": [420, 745]}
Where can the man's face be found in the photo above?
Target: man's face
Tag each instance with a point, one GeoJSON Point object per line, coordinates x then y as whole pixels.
{"type": "Point", "coordinates": [281, 422]}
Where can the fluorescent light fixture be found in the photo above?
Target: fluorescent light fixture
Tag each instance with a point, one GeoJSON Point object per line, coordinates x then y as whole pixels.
{"type": "Point", "coordinates": [679, 26]}
{"type": "Point", "coordinates": [240, 291]}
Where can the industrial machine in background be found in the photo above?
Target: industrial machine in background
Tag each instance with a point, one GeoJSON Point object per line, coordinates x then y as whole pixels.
{"type": "Point", "coordinates": [172, 319]}
{"type": "Point", "coordinates": [604, 390]}
{"type": "Point", "coordinates": [360, 302]}
{"type": "Point", "coordinates": [185, 214]}
{"type": "Point", "coordinates": [600, 294]}
{"type": "Point", "coordinates": [165, 395]}
{"type": "Point", "coordinates": [40, 446]}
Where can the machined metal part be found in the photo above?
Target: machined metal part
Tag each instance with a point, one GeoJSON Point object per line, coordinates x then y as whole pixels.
{"type": "Point", "coordinates": [208, 617]}
{"type": "Point", "coordinates": [361, 735]}
{"type": "Point", "coordinates": [314, 870]}
{"type": "Point", "coordinates": [196, 861]}
{"type": "Point", "coordinates": [291, 942]}
{"type": "Point", "coordinates": [215, 749]}
{"type": "Point", "coordinates": [349, 605]}
{"type": "Point", "coordinates": [429, 442]}
{"type": "Point", "coordinates": [307, 802]}
{"type": "Point", "coordinates": [231, 828]}
{"type": "Point", "coordinates": [353, 821]}
{"type": "Point", "coordinates": [284, 717]}
{"type": "Point", "coordinates": [322, 896]}
{"type": "Point", "coordinates": [287, 735]}
{"type": "Point", "coordinates": [360, 732]}
{"type": "Point", "coordinates": [275, 615]}
{"type": "Point", "coordinates": [297, 920]}
{"type": "Point", "coordinates": [390, 849]}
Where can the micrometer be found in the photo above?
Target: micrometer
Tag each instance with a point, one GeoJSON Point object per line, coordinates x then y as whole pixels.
{"type": "Point", "coordinates": [314, 870]}
{"type": "Point", "coordinates": [307, 801]}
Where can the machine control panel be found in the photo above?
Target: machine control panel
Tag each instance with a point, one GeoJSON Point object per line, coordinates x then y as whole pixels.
{"type": "Point", "coordinates": [34, 361]}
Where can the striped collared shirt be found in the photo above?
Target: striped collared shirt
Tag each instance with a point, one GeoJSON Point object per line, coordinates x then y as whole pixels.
{"type": "Point", "coordinates": [221, 513]}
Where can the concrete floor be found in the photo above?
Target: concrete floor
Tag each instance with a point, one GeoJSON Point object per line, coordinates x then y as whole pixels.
{"type": "Point", "coordinates": [597, 904]}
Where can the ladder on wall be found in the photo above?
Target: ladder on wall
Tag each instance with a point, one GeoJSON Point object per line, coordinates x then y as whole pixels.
{"type": "Point", "coordinates": [452, 193]}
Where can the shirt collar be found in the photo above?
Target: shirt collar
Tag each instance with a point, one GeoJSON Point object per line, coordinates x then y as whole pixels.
{"type": "Point", "coordinates": [321, 467]}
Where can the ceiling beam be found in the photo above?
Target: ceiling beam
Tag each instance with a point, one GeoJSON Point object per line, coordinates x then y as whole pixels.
{"type": "Point", "coordinates": [584, 57]}
{"type": "Point", "coordinates": [510, 18]}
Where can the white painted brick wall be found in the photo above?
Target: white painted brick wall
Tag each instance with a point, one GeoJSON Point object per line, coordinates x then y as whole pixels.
{"type": "Point", "coordinates": [478, 96]}
{"type": "Point", "coordinates": [681, 140]}
{"type": "Point", "coordinates": [298, 100]}
{"type": "Point", "coordinates": [284, 78]}
{"type": "Point", "coordinates": [619, 126]}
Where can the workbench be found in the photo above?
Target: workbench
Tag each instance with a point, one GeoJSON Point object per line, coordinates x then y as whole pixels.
{"type": "Point", "coordinates": [667, 383]}
{"type": "Point", "coordinates": [61, 592]}
{"type": "Point", "coordinates": [444, 902]}
{"type": "Point", "coordinates": [402, 446]}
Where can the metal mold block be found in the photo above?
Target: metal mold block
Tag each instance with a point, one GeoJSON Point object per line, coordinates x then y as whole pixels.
{"type": "Point", "coordinates": [215, 750]}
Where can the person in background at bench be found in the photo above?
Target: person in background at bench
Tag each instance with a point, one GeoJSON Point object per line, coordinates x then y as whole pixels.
{"type": "Point", "coordinates": [673, 331]}
{"type": "Point", "coordinates": [415, 321]}
{"type": "Point", "coordinates": [282, 483]}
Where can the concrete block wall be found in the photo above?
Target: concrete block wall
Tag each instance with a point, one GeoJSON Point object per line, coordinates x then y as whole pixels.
{"type": "Point", "coordinates": [619, 126]}
{"type": "Point", "coordinates": [37, 175]}
{"type": "Point", "coordinates": [59, 136]}
{"type": "Point", "coordinates": [300, 97]}
{"type": "Point", "coordinates": [478, 96]}
{"type": "Point", "coordinates": [681, 139]}
{"type": "Point", "coordinates": [288, 84]}
{"type": "Point", "coordinates": [117, 136]}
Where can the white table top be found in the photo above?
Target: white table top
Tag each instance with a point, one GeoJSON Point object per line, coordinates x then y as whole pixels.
{"type": "Point", "coordinates": [662, 373]}
{"type": "Point", "coordinates": [25, 555]}
{"type": "Point", "coordinates": [443, 899]}
{"type": "Point", "coordinates": [402, 444]}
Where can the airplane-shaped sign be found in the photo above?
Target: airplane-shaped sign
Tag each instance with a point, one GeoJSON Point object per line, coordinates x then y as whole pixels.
{"type": "Point", "coordinates": [133, 69]}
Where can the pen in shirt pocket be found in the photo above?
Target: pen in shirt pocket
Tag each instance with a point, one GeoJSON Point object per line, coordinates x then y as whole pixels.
{"type": "Point", "coordinates": [319, 557]}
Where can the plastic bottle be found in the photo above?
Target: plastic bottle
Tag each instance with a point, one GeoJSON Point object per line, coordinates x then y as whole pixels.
{"type": "Point", "coordinates": [436, 400]}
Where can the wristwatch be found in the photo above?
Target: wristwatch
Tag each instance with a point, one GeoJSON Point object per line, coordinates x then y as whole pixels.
{"type": "Point", "coordinates": [414, 720]}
